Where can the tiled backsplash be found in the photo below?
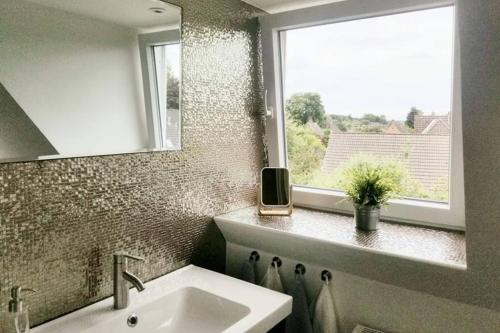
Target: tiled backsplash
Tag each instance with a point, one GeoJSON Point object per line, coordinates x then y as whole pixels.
{"type": "Point", "coordinates": [60, 221]}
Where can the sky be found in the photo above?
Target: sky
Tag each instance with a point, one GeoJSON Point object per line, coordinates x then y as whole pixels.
{"type": "Point", "coordinates": [174, 58]}
{"type": "Point", "coordinates": [383, 65]}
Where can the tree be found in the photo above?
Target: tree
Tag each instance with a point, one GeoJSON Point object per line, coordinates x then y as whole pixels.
{"type": "Point", "coordinates": [368, 128]}
{"type": "Point", "coordinates": [369, 123]}
{"type": "Point", "coordinates": [172, 90]}
{"type": "Point", "coordinates": [306, 106]}
{"type": "Point", "coordinates": [371, 118]}
{"type": "Point", "coordinates": [410, 118]}
{"type": "Point", "coordinates": [305, 152]}
{"type": "Point", "coordinates": [341, 126]}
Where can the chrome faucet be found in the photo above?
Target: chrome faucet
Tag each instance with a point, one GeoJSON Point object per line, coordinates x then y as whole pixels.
{"type": "Point", "coordinates": [16, 301]}
{"type": "Point", "coordinates": [120, 278]}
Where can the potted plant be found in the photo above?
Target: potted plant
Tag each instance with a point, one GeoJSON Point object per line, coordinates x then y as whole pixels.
{"type": "Point", "coordinates": [370, 184]}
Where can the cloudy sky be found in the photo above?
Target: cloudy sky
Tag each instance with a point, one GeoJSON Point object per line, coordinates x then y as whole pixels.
{"type": "Point", "coordinates": [381, 65]}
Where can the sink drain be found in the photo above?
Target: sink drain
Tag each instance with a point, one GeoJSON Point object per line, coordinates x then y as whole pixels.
{"type": "Point", "coordinates": [132, 320]}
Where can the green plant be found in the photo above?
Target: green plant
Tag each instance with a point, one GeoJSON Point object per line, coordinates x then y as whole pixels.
{"type": "Point", "coordinates": [368, 182]}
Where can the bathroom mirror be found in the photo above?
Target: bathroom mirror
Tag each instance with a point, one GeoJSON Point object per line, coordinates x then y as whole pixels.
{"type": "Point", "coordinates": [88, 77]}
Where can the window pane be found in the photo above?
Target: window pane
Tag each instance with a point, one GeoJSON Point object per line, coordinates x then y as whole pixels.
{"type": "Point", "coordinates": [167, 60]}
{"type": "Point", "coordinates": [378, 89]}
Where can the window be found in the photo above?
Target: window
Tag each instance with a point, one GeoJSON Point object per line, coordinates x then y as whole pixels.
{"type": "Point", "coordinates": [160, 54]}
{"type": "Point", "coordinates": [166, 77]}
{"type": "Point", "coordinates": [374, 84]}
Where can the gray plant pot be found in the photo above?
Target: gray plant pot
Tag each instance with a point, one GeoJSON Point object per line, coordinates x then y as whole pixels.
{"type": "Point", "coordinates": [366, 217]}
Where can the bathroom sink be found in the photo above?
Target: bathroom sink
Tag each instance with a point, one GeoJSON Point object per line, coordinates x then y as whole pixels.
{"type": "Point", "coordinates": [185, 310]}
{"type": "Point", "coordinates": [191, 299]}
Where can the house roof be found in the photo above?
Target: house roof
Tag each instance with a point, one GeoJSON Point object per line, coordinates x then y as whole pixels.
{"type": "Point", "coordinates": [422, 121]}
{"type": "Point", "coordinates": [437, 127]}
{"type": "Point", "coordinates": [426, 156]}
{"type": "Point", "coordinates": [396, 127]}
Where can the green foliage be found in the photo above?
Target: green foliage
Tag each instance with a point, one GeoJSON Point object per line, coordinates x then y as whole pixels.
{"type": "Point", "coordinates": [341, 126]}
{"type": "Point", "coordinates": [372, 183]}
{"type": "Point", "coordinates": [368, 128]}
{"type": "Point", "coordinates": [305, 107]}
{"type": "Point", "coordinates": [305, 152]}
{"type": "Point", "coordinates": [374, 118]}
{"type": "Point", "coordinates": [440, 190]}
{"type": "Point", "coordinates": [172, 90]}
{"type": "Point", "coordinates": [369, 123]}
{"type": "Point", "coordinates": [409, 187]}
{"type": "Point", "coordinates": [326, 137]}
{"type": "Point", "coordinates": [367, 180]}
{"type": "Point", "coordinates": [330, 180]}
{"type": "Point", "coordinates": [410, 118]}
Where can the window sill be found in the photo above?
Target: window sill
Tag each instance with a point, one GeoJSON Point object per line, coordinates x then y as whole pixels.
{"type": "Point", "coordinates": [414, 212]}
{"type": "Point", "coordinates": [314, 230]}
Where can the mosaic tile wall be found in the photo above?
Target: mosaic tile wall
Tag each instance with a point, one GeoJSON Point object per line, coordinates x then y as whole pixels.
{"type": "Point", "coordinates": [405, 240]}
{"type": "Point", "coordinates": [60, 221]}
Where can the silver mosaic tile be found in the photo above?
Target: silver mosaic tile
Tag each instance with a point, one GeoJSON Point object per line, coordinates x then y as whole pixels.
{"type": "Point", "coordinates": [397, 239]}
{"type": "Point", "coordinates": [60, 221]}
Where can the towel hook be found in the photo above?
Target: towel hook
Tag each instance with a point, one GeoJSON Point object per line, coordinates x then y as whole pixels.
{"type": "Point", "coordinates": [300, 270]}
{"type": "Point", "coordinates": [254, 256]}
{"type": "Point", "coordinates": [326, 276]}
{"type": "Point", "coordinates": [276, 262]}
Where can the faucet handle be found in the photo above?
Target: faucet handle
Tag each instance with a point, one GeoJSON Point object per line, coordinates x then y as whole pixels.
{"type": "Point", "coordinates": [16, 302]}
{"type": "Point", "coordinates": [130, 256]}
{"type": "Point", "coordinates": [16, 292]}
{"type": "Point", "coordinates": [121, 257]}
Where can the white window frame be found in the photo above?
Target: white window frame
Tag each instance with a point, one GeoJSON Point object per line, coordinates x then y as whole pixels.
{"type": "Point", "coordinates": [451, 215]}
{"type": "Point", "coordinates": [152, 101]}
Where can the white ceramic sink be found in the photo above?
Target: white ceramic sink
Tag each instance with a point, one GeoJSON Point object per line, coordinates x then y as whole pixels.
{"type": "Point", "coordinates": [185, 310]}
{"type": "Point", "coordinates": [191, 299]}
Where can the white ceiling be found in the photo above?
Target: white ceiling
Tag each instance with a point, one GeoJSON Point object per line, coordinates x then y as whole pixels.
{"type": "Point", "coordinates": [129, 13]}
{"type": "Point", "coordinates": [277, 6]}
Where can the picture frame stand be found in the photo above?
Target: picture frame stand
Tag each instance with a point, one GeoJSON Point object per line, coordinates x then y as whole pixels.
{"type": "Point", "coordinates": [265, 210]}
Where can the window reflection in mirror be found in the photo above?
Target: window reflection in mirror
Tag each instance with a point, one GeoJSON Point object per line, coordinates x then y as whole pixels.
{"type": "Point", "coordinates": [167, 80]}
{"type": "Point", "coordinates": [85, 78]}
{"type": "Point", "coordinates": [160, 57]}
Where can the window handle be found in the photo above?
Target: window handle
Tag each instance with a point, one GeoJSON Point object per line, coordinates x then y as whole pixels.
{"type": "Point", "coordinates": [269, 109]}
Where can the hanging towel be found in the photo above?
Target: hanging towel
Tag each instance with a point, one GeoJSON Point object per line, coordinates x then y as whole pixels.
{"type": "Point", "coordinates": [247, 272]}
{"type": "Point", "coordinates": [272, 279]}
{"type": "Point", "coordinates": [299, 321]}
{"type": "Point", "coordinates": [323, 317]}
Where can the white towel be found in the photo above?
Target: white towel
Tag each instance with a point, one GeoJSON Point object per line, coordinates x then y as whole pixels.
{"type": "Point", "coordinates": [247, 272]}
{"type": "Point", "coordinates": [323, 317]}
{"type": "Point", "coordinates": [272, 279]}
{"type": "Point", "coordinates": [299, 321]}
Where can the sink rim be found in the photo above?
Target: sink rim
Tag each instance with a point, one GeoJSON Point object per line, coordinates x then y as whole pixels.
{"type": "Point", "coordinates": [267, 307]}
